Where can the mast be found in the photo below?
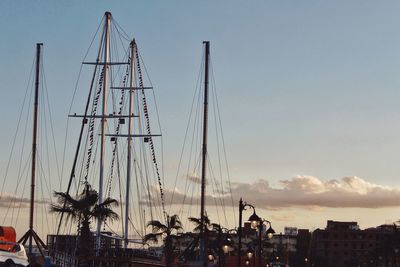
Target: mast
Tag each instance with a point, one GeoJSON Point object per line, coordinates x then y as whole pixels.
{"type": "Point", "coordinates": [129, 156]}
{"type": "Point", "coordinates": [34, 144]}
{"type": "Point", "coordinates": [31, 235]}
{"type": "Point", "coordinates": [203, 244]}
{"type": "Point", "coordinates": [103, 117]}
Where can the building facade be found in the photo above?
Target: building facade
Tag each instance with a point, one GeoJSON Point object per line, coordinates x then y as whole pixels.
{"type": "Point", "coordinates": [344, 244]}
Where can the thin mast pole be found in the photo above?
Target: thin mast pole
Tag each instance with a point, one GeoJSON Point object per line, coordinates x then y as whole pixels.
{"type": "Point", "coordinates": [240, 232]}
{"type": "Point", "coordinates": [34, 144]}
{"type": "Point", "coordinates": [203, 244]}
{"type": "Point", "coordinates": [103, 119]}
{"type": "Point", "coordinates": [129, 158]}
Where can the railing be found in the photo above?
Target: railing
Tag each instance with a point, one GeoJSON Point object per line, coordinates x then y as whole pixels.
{"type": "Point", "coordinates": [62, 250]}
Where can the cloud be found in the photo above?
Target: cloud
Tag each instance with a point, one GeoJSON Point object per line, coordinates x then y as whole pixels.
{"type": "Point", "coordinates": [195, 178]}
{"type": "Point", "coordinates": [302, 191]}
{"type": "Point", "coordinates": [9, 200]}
{"type": "Point", "coordinates": [311, 191]}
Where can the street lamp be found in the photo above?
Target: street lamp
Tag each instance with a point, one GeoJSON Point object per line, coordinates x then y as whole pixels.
{"type": "Point", "coordinates": [226, 244]}
{"type": "Point", "coordinates": [270, 232]}
{"type": "Point", "coordinates": [225, 247]}
{"type": "Point", "coordinates": [249, 253]}
{"type": "Point", "coordinates": [254, 219]}
{"type": "Point", "coordinates": [210, 256]}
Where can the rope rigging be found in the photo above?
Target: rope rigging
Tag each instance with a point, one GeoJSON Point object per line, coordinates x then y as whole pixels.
{"type": "Point", "coordinates": [117, 130]}
{"type": "Point", "coordinates": [143, 159]}
{"type": "Point", "coordinates": [218, 178]}
{"type": "Point", "coordinates": [19, 163]}
{"type": "Point", "coordinates": [91, 123]}
{"type": "Point", "coordinates": [150, 139]}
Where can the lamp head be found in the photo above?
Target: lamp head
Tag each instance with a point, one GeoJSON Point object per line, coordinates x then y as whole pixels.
{"type": "Point", "coordinates": [225, 248]}
{"type": "Point", "coordinates": [210, 257]}
{"type": "Point", "coordinates": [249, 253]}
{"type": "Point", "coordinates": [255, 220]}
{"type": "Point", "coordinates": [270, 232]}
{"type": "Point", "coordinates": [226, 245]}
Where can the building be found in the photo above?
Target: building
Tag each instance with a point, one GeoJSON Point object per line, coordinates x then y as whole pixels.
{"type": "Point", "coordinates": [290, 248]}
{"type": "Point", "coordinates": [343, 244]}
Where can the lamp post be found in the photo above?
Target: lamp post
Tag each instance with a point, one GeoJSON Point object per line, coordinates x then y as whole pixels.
{"type": "Point", "coordinates": [226, 244]}
{"type": "Point", "coordinates": [226, 247]}
{"type": "Point", "coordinates": [242, 207]}
{"type": "Point", "coordinates": [270, 232]}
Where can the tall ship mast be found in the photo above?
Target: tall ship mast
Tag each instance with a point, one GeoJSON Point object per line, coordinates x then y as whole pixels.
{"type": "Point", "coordinates": [116, 156]}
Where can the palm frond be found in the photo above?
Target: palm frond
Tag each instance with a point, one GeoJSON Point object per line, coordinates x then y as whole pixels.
{"type": "Point", "coordinates": [157, 226]}
{"type": "Point", "coordinates": [195, 220]}
{"type": "Point", "coordinates": [64, 198]}
{"type": "Point", "coordinates": [109, 202]}
{"type": "Point", "coordinates": [101, 213]}
{"type": "Point", "coordinates": [67, 210]}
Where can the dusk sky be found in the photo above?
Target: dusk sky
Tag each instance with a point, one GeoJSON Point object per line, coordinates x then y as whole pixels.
{"type": "Point", "coordinates": [309, 92]}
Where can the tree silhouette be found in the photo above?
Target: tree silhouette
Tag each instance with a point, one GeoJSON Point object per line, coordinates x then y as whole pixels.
{"type": "Point", "coordinates": [168, 232]}
{"type": "Point", "coordinates": [83, 210]}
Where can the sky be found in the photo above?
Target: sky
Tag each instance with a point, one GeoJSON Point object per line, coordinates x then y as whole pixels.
{"type": "Point", "coordinates": [308, 90]}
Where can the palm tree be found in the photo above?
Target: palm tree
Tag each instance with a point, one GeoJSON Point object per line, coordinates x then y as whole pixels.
{"type": "Point", "coordinates": [197, 223]}
{"type": "Point", "coordinates": [168, 232]}
{"type": "Point", "coordinates": [207, 228]}
{"type": "Point", "coordinates": [83, 210]}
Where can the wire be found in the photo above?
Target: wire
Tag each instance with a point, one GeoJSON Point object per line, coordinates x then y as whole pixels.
{"type": "Point", "coordinates": [192, 143]}
{"type": "Point", "coordinates": [17, 128]}
{"type": "Point", "coordinates": [223, 140]}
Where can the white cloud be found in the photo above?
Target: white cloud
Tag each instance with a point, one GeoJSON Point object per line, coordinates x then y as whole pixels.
{"type": "Point", "coordinates": [311, 191]}
{"type": "Point", "coordinates": [306, 191]}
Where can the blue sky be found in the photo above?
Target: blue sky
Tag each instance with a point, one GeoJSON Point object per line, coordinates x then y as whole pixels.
{"type": "Point", "coordinates": [306, 88]}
